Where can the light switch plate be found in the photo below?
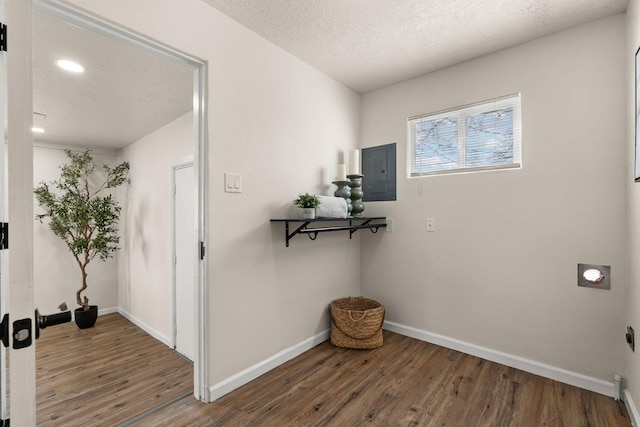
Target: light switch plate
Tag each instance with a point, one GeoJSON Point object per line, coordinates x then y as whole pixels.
{"type": "Point", "coordinates": [232, 183]}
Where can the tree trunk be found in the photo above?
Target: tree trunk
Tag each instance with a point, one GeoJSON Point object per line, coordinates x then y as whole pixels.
{"type": "Point", "coordinates": [85, 303]}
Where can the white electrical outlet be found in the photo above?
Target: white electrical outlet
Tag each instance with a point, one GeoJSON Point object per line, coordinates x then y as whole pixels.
{"type": "Point", "coordinates": [431, 224]}
{"type": "Point", "coordinates": [389, 225]}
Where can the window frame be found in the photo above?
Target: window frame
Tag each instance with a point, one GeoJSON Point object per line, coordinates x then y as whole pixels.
{"type": "Point", "coordinates": [513, 101]}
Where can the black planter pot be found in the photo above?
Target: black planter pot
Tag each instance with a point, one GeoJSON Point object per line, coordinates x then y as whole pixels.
{"type": "Point", "coordinates": [86, 319]}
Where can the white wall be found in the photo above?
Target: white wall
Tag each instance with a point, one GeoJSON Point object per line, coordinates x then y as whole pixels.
{"type": "Point", "coordinates": [144, 285]}
{"type": "Point", "coordinates": [57, 276]}
{"type": "Point", "coordinates": [281, 125]}
{"type": "Point", "coordinates": [632, 360]}
{"type": "Point", "coordinates": [501, 269]}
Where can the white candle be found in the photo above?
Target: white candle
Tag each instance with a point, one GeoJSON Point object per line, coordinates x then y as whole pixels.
{"type": "Point", "coordinates": [342, 172]}
{"type": "Point", "coordinates": [354, 162]}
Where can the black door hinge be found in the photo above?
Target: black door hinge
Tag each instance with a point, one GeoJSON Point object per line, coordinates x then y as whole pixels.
{"type": "Point", "coordinates": [4, 330]}
{"type": "Point", "coordinates": [201, 250]}
{"type": "Point", "coordinates": [3, 37]}
{"type": "Point", "coordinates": [4, 423]}
{"type": "Point", "coordinates": [4, 235]}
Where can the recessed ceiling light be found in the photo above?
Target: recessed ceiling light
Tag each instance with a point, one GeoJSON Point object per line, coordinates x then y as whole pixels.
{"type": "Point", "coordinates": [37, 130]}
{"type": "Point", "coordinates": [70, 66]}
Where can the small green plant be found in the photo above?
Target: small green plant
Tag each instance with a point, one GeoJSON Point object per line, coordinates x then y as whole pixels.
{"type": "Point", "coordinates": [307, 200]}
{"type": "Point", "coordinates": [85, 221]}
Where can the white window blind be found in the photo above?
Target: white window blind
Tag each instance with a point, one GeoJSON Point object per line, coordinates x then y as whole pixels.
{"type": "Point", "coordinates": [483, 136]}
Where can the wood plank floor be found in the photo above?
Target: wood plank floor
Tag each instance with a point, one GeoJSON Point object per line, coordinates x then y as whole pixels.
{"type": "Point", "coordinates": [404, 383]}
{"type": "Point", "coordinates": [123, 373]}
{"type": "Point", "coordinates": [105, 375]}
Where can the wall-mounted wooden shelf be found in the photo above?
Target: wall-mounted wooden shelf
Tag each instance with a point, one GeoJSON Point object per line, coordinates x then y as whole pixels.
{"type": "Point", "coordinates": [309, 227]}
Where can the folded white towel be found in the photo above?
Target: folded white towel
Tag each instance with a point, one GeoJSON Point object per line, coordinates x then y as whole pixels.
{"type": "Point", "coordinates": [331, 207]}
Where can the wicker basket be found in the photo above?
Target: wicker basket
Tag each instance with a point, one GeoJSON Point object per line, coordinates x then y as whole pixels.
{"type": "Point", "coordinates": [356, 322]}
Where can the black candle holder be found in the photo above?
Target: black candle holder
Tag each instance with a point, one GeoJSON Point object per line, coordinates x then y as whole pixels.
{"type": "Point", "coordinates": [355, 183]}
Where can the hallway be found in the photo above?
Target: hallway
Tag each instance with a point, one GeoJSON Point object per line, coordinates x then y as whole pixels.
{"type": "Point", "coordinates": [106, 375]}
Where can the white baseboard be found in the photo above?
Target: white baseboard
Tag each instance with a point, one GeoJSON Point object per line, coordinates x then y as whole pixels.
{"type": "Point", "coordinates": [243, 377]}
{"type": "Point", "coordinates": [103, 311]}
{"type": "Point", "coordinates": [631, 409]}
{"type": "Point", "coordinates": [157, 335]}
{"type": "Point", "coordinates": [527, 365]}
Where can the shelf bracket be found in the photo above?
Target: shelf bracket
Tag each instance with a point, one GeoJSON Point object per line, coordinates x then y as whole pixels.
{"type": "Point", "coordinates": [355, 228]}
{"type": "Point", "coordinates": [298, 230]}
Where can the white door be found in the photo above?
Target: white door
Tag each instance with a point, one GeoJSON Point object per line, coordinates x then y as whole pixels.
{"type": "Point", "coordinates": [3, 214]}
{"type": "Point", "coordinates": [185, 259]}
{"type": "Point", "coordinates": [18, 287]}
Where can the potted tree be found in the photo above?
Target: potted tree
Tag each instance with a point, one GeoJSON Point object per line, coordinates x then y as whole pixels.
{"type": "Point", "coordinates": [84, 216]}
{"type": "Point", "coordinates": [308, 203]}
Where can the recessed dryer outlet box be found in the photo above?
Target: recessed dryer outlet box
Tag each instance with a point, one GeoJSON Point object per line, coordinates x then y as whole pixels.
{"type": "Point", "coordinates": [594, 276]}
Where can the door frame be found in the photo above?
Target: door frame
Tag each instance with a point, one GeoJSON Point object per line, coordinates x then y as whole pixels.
{"type": "Point", "coordinates": [175, 166]}
{"type": "Point", "coordinates": [199, 67]}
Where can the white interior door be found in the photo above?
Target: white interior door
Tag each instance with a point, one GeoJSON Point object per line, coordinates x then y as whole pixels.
{"type": "Point", "coordinates": [185, 259]}
{"type": "Point", "coordinates": [18, 205]}
{"type": "Point", "coordinates": [3, 213]}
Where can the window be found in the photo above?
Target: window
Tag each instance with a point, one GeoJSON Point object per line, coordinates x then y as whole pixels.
{"type": "Point", "coordinates": [483, 136]}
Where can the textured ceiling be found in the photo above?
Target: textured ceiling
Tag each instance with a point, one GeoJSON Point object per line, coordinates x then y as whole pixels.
{"type": "Point", "coordinates": [369, 44]}
{"type": "Point", "coordinates": [365, 44]}
{"type": "Point", "coordinates": [123, 95]}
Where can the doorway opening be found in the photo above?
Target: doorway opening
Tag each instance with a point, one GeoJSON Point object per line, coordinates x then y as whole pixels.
{"type": "Point", "coordinates": [196, 121]}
